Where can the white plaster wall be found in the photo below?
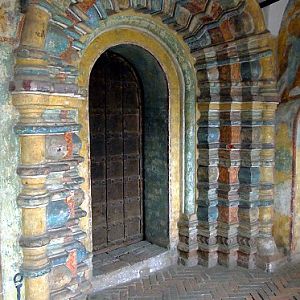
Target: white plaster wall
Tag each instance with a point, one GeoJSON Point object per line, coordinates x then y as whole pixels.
{"type": "Point", "coordinates": [10, 218]}
{"type": "Point", "coordinates": [273, 16]}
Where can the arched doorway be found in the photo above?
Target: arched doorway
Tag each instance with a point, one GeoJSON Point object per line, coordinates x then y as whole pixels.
{"type": "Point", "coordinates": [129, 149]}
{"type": "Point", "coordinates": [51, 79]}
{"type": "Point", "coordinates": [116, 153]}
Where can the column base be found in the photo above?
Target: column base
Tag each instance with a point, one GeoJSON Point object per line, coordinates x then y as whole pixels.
{"type": "Point", "coordinates": [228, 258]}
{"type": "Point", "coordinates": [207, 241]}
{"type": "Point", "coordinates": [246, 260]}
{"type": "Point", "coordinates": [247, 252]}
{"type": "Point", "coordinates": [270, 263]}
{"type": "Point", "coordinates": [189, 259]}
{"type": "Point", "coordinates": [268, 256]}
{"type": "Point", "coordinates": [208, 258]}
{"type": "Point", "coordinates": [266, 246]}
{"type": "Point", "coordinates": [188, 244]}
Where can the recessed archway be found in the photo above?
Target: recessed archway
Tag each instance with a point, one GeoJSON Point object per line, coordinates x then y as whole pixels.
{"type": "Point", "coordinates": [232, 64]}
{"type": "Point", "coordinates": [162, 80]}
{"type": "Point", "coordinates": [129, 138]}
{"type": "Point", "coordinates": [130, 39]}
{"type": "Point", "coordinates": [115, 115]}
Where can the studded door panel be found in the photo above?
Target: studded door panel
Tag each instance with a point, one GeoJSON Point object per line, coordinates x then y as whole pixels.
{"type": "Point", "coordinates": [116, 175]}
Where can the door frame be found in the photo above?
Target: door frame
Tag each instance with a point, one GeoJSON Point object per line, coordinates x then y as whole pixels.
{"type": "Point", "coordinates": [176, 85]}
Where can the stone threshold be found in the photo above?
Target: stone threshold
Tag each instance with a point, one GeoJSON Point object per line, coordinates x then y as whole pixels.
{"type": "Point", "coordinates": [128, 263]}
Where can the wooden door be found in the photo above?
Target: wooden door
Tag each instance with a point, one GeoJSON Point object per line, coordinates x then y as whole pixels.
{"type": "Point", "coordinates": [116, 158]}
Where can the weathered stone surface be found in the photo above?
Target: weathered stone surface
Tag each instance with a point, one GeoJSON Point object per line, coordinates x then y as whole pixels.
{"type": "Point", "coordinates": [56, 147]}
{"type": "Point", "coordinates": [58, 213]}
{"type": "Point", "coordinates": [10, 218]}
{"type": "Point", "coordinates": [129, 262]}
{"type": "Point", "coordinates": [188, 243]}
{"type": "Point", "coordinates": [59, 277]}
{"type": "Point", "coordinates": [286, 229]}
{"type": "Point", "coordinates": [235, 75]}
{"type": "Point", "coordinates": [180, 282]}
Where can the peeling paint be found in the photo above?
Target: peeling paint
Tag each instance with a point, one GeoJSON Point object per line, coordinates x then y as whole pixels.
{"type": "Point", "coordinates": [287, 154]}
{"type": "Point", "coordinates": [9, 183]}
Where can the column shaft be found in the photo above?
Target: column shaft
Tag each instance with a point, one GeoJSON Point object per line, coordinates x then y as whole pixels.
{"type": "Point", "coordinates": [208, 143]}
{"type": "Point", "coordinates": [228, 197]}
{"type": "Point", "coordinates": [267, 249]}
{"type": "Point", "coordinates": [249, 177]}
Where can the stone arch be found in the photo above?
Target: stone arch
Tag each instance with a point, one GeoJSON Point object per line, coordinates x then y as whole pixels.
{"type": "Point", "coordinates": [115, 34]}
{"type": "Point", "coordinates": [234, 69]}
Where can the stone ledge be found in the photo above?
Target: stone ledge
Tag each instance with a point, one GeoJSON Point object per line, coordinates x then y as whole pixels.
{"type": "Point", "coordinates": [113, 270]}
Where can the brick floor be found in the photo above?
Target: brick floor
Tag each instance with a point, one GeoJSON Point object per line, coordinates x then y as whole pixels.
{"type": "Point", "coordinates": [180, 282]}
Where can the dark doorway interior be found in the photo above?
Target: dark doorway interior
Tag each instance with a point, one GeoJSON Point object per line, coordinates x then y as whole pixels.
{"type": "Point", "coordinates": [116, 153]}
{"type": "Point", "coordinates": [129, 150]}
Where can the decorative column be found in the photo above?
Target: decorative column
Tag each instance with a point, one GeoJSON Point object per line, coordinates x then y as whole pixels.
{"type": "Point", "coordinates": [229, 159]}
{"type": "Point", "coordinates": [34, 197]}
{"type": "Point", "coordinates": [187, 245]}
{"type": "Point", "coordinates": [51, 197]}
{"type": "Point", "coordinates": [208, 144]}
{"type": "Point", "coordinates": [267, 250]}
{"type": "Point", "coordinates": [249, 178]}
{"type": "Point", "coordinates": [33, 200]}
{"type": "Point", "coordinates": [68, 256]}
{"type": "Point", "coordinates": [55, 260]}
{"type": "Point", "coordinates": [188, 222]}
